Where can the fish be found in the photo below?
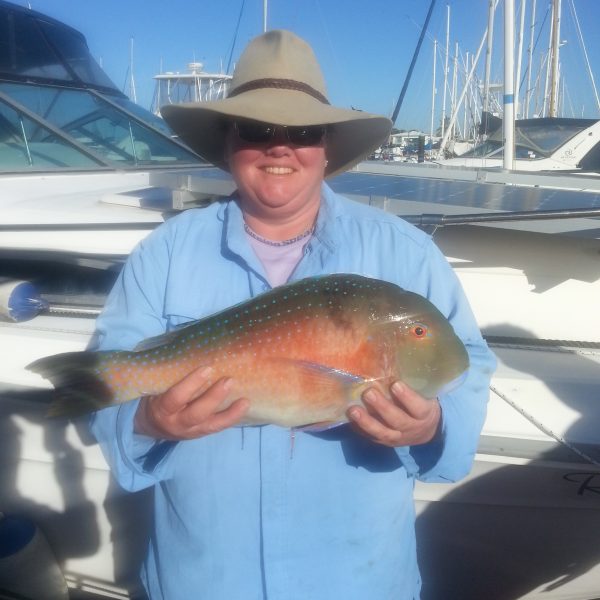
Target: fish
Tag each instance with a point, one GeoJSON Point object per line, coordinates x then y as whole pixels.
{"type": "Point", "coordinates": [302, 353]}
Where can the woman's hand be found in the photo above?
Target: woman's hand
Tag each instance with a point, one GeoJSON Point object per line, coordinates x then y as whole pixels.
{"type": "Point", "coordinates": [189, 409]}
{"type": "Point", "coordinates": [404, 419]}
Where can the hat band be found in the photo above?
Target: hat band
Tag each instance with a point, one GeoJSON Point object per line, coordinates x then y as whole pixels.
{"type": "Point", "coordinates": [280, 84]}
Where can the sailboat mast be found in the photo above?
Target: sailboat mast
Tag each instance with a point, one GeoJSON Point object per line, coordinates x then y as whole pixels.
{"type": "Point", "coordinates": [519, 59]}
{"type": "Point", "coordinates": [553, 111]}
{"type": "Point", "coordinates": [453, 104]}
{"type": "Point", "coordinates": [446, 70]}
{"type": "Point", "coordinates": [467, 101]}
{"type": "Point", "coordinates": [265, 16]}
{"type": "Point", "coordinates": [509, 80]}
{"type": "Point", "coordinates": [530, 61]}
{"type": "Point", "coordinates": [465, 89]}
{"type": "Point", "coordinates": [548, 81]}
{"type": "Point", "coordinates": [488, 57]}
{"type": "Point", "coordinates": [433, 91]}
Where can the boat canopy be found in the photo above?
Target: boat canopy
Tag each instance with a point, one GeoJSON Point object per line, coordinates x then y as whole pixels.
{"type": "Point", "coordinates": [34, 47]}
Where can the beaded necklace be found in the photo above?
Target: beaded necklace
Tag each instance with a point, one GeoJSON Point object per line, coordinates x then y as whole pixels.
{"type": "Point", "coordinates": [293, 240]}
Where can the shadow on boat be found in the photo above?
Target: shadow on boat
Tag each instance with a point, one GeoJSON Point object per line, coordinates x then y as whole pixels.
{"type": "Point", "coordinates": [556, 259]}
{"type": "Point", "coordinates": [44, 478]}
{"type": "Point", "coordinates": [527, 527]}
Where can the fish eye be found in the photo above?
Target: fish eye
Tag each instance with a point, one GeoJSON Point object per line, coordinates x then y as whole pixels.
{"type": "Point", "coordinates": [419, 330]}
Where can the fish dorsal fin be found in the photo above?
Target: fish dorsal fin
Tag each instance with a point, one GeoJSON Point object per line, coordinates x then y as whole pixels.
{"type": "Point", "coordinates": [163, 338]}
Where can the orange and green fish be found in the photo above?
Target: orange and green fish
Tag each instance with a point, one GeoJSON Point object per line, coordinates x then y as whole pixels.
{"type": "Point", "coordinates": [301, 353]}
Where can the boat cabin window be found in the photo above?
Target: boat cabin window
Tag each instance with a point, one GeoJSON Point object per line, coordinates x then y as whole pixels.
{"type": "Point", "coordinates": [591, 161]}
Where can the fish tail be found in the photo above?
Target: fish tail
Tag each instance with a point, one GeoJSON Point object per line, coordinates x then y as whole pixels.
{"type": "Point", "coordinates": [79, 388]}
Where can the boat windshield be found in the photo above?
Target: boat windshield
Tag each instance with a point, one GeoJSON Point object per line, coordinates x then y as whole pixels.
{"type": "Point", "coordinates": [489, 148]}
{"type": "Point", "coordinates": [51, 127]}
{"type": "Point", "coordinates": [494, 149]}
{"type": "Point", "coordinates": [534, 138]}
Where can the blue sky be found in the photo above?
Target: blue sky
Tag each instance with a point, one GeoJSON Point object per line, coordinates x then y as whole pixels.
{"type": "Point", "coordinates": [364, 46]}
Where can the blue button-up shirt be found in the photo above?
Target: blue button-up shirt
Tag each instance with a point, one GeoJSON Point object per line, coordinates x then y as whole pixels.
{"type": "Point", "coordinates": [239, 515]}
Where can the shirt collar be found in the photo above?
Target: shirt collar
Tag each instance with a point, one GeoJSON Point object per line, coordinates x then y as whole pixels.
{"type": "Point", "coordinates": [328, 211]}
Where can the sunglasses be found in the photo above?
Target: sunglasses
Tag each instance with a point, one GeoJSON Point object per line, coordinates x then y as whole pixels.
{"type": "Point", "coordinates": [261, 133]}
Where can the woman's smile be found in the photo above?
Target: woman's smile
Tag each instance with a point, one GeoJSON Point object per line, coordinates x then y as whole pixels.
{"type": "Point", "coordinates": [278, 170]}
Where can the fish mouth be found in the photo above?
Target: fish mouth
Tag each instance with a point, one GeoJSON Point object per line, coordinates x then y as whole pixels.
{"type": "Point", "coordinates": [429, 389]}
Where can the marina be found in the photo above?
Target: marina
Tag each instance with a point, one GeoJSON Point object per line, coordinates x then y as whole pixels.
{"type": "Point", "coordinates": [86, 174]}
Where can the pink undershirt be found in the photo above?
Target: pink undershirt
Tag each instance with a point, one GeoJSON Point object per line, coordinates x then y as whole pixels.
{"type": "Point", "coordinates": [278, 261]}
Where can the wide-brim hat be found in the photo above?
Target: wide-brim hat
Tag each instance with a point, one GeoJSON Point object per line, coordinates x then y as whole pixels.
{"type": "Point", "coordinates": [278, 80]}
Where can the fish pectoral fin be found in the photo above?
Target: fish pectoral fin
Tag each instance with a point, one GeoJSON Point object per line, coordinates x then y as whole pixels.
{"type": "Point", "coordinates": [328, 390]}
{"type": "Point", "coordinates": [311, 375]}
{"type": "Point", "coordinates": [321, 372]}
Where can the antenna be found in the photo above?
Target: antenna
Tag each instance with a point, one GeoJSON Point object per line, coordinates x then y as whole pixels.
{"type": "Point", "coordinates": [132, 93]}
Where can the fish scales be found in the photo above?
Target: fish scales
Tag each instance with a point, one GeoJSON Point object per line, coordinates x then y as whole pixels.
{"type": "Point", "coordinates": [301, 353]}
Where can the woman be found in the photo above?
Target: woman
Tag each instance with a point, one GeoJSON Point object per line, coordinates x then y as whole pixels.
{"type": "Point", "coordinates": [235, 516]}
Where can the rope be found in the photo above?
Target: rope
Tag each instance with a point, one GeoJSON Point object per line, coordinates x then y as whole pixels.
{"type": "Point", "coordinates": [545, 430]}
{"type": "Point", "coordinates": [235, 36]}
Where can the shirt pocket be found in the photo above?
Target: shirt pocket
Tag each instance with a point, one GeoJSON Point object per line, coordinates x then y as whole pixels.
{"type": "Point", "coordinates": [182, 306]}
{"type": "Point", "coordinates": [181, 311]}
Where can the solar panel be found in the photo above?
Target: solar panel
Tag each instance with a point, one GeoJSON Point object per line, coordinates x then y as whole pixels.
{"type": "Point", "coordinates": [463, 192]}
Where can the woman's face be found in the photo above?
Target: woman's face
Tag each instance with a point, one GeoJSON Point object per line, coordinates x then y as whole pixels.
{"type": "Point", "coordinates": [276, 178]}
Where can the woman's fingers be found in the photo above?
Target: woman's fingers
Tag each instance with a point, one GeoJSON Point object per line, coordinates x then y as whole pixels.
{"type": "Point", "coordinates": [180, 394]}
{"type": "Point", "coordinates": [403, 418]}
{"type": "Point", "coordinates": [191, 408]}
